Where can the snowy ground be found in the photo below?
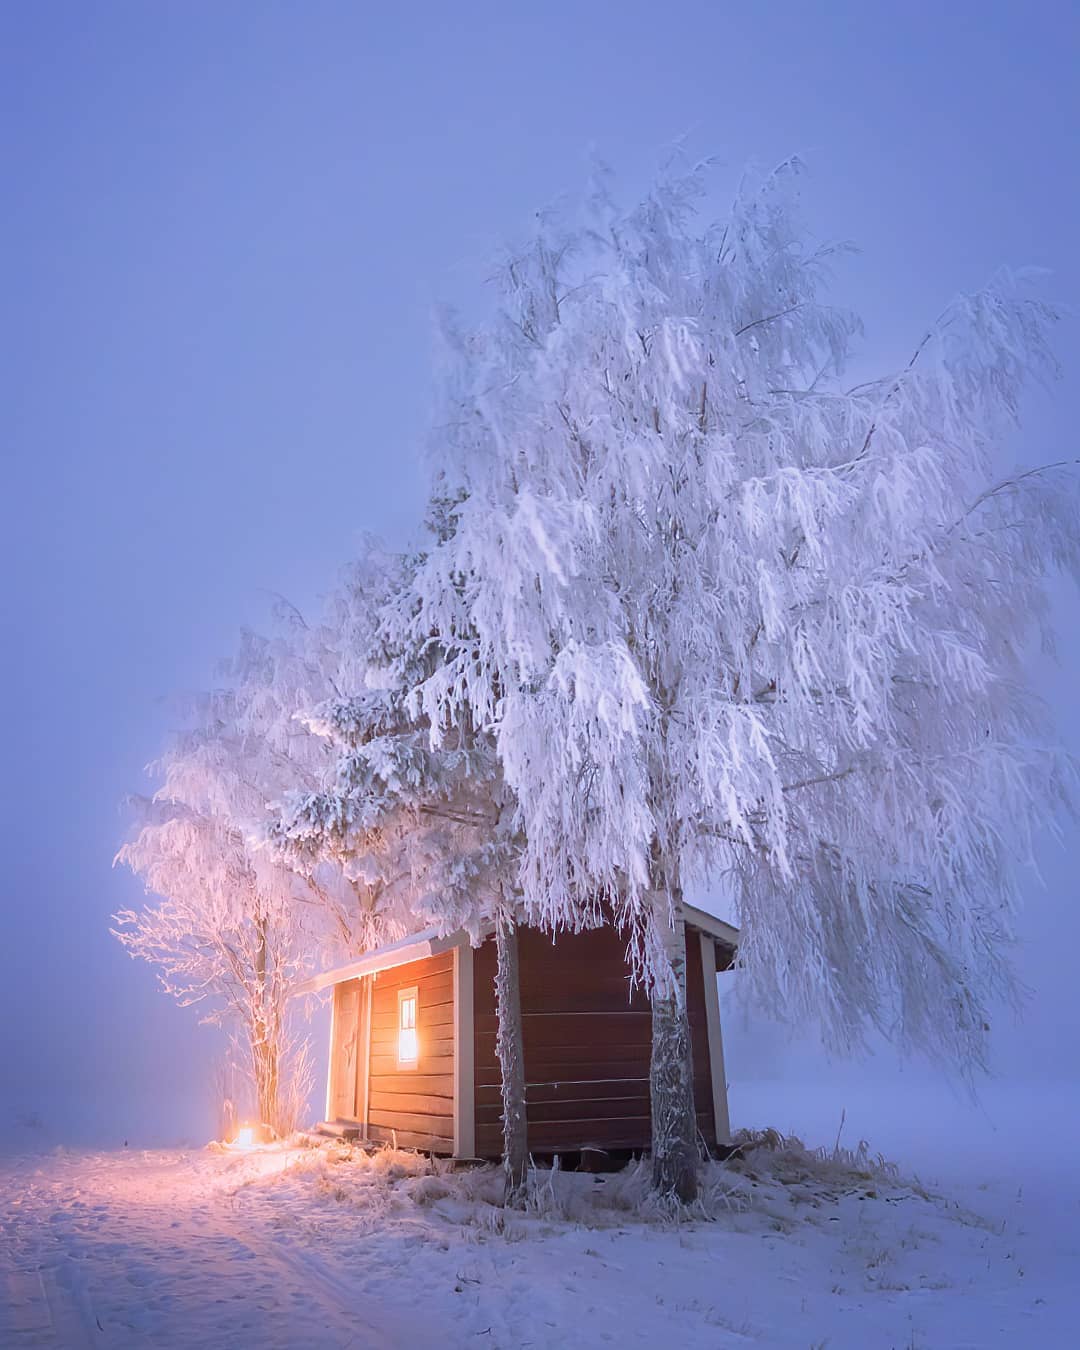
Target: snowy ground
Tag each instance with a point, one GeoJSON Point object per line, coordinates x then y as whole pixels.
{"type": "Point", "coordinates": [303, 1248]}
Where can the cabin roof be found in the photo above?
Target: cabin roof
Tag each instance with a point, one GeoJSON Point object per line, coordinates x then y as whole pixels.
{"type": "Point", "coordinates": [726, 934]}
{"type": "Point", "coordinates": [428, 942]}
{"type": "Point", "coordinates": [400, 953]}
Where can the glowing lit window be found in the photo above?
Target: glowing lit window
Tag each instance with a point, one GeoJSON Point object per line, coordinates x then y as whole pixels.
{"type": "Point", "coordinates": [408, 1046]}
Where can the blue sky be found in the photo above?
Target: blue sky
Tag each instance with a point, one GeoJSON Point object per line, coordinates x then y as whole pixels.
{"type": "Point", "coordinates": [224, 230]}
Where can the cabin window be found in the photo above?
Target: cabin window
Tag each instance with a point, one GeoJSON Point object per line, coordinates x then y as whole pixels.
{"type": "Point", "coordinates": [408, 1046]}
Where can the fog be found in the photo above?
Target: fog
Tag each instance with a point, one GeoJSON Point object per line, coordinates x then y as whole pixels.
{"type": "Point", "coordinates": [225, 228]}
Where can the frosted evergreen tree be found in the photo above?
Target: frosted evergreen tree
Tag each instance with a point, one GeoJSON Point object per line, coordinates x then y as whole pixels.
{"type": "Point", "coordinates": [723, 615]}
{"type": "Point", "coordinates": [427, 831]}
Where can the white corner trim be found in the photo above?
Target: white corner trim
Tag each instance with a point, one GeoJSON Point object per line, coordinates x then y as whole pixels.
{"type": "Point", "coordinates": [716, 1041]}
{"type": "Point", "coordinates": [367, 985]}
{"type": "Point", "coordinates": [330, 1061]}
{"type": "Point", "coordinates": [464, 1053]}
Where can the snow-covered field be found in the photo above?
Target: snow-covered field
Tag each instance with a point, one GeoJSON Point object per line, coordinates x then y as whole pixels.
{"type": "Point", "coordinates": [324, 1248]}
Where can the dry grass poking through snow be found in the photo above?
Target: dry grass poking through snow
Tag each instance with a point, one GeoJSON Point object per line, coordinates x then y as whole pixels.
{"type": "Point", "coordinates": [770, 1175]}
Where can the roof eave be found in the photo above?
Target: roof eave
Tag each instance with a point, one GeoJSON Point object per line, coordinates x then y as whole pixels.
{"type": "Point", "coordinates": [415, 948]}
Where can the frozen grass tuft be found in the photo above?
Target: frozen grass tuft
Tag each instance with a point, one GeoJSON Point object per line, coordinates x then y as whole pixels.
{"type": "Point", "coordinates": [786, 1158]}
{"type": "Point", "coordinates": [771, 1175]}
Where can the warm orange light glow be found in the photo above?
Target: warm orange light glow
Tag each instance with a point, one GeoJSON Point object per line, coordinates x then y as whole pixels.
{"type": "Point", "coordinates": [407, 1046]}
{"type": "Point", "coordinates": [245, 1137]}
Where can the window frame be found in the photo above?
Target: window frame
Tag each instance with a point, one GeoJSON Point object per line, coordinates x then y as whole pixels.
{"type": "Point", "coordinates": [404, 996]}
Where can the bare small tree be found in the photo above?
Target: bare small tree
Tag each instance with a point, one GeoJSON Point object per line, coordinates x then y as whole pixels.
{"type": "Point", "coordinates": [234, 926]}
{"type": "Point", "coordinates": [225, 937]}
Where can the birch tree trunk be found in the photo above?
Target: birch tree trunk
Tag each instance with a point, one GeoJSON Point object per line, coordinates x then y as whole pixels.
{"type": "Point", "coordinates": [671, 1083]}
{"type": "Point", "coordinates": [265, 1055]}
{"type": "Point", "coordinates": [511, 1052]}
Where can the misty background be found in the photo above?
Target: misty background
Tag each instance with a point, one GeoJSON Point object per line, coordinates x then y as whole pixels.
{"type": "Point", "coordinates": [225, 228]}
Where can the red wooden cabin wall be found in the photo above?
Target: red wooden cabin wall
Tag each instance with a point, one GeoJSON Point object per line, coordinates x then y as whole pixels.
{"type": "Point", "coordinates": [416, 1104]}
{"type": "Point", "coordinates": [587, 1044]}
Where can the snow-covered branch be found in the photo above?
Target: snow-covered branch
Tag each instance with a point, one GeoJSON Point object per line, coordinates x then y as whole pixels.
{"type": "Point", "coordinates": [716, 609]}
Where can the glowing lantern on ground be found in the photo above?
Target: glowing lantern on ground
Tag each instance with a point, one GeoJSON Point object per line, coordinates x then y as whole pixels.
{"type": "Point", "coordinates": [245, 1137]}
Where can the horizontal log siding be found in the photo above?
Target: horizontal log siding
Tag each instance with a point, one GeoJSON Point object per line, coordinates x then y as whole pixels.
{"type": "Point", "coordinates": [587, 1044]}
{"type": "Point", "coordinates": [414, 1105]}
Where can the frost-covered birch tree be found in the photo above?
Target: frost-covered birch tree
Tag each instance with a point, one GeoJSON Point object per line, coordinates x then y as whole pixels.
{"type": "Point", "coordinates": [726, 615]}
{"type": "Point", "coordinates": [233, 927]}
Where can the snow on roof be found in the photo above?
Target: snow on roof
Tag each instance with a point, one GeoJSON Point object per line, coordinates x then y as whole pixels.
{"type": "Point", "coordinates": [400, 953]}
{"type": "Point", "coordinates": [429, 942]}
{"type": "Point", "coordinates": [720, 929]}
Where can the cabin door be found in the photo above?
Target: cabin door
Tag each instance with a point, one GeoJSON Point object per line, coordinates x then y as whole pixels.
{"type": "Point", "coordinates": [345, 1052]}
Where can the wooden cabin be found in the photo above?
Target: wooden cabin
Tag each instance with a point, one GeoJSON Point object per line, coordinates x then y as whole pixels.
{"type": "Point", "coordinates": [412, 1042]}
